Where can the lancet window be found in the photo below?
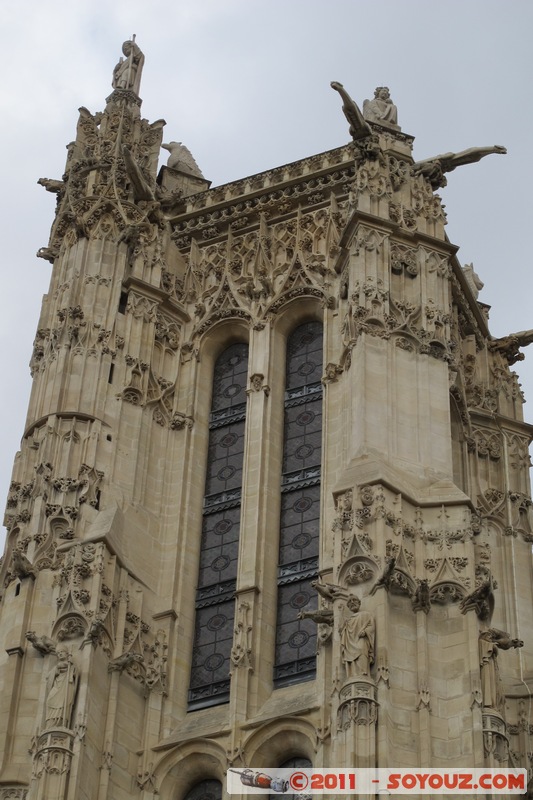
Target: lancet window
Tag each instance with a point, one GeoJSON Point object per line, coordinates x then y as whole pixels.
{"type": "Point", "coordinates": [217, 575]}
{"type": "Point", "coordinates": [295, 658]}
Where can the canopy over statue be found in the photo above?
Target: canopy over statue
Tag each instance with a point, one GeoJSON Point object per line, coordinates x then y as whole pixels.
{"type": "Point", "coordinates": [127, 73]}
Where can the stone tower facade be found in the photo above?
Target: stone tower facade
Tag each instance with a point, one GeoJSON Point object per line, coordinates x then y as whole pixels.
{"type": "Point", "coordinates": [251, 405]}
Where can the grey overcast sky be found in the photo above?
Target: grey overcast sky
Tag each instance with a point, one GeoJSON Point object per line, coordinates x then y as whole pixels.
{"type": "Point", "coordinates": [245, 85]}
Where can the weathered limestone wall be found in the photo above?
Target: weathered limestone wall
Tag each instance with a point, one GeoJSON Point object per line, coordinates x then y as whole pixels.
{"type": "Point", "coordinates": [425, 495]}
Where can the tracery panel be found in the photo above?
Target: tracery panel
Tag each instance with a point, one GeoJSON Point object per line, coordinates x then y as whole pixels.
{"type": "Point", "coordinates": [217, 574]}
{"type": "Point", "coordinates": [300, 506]}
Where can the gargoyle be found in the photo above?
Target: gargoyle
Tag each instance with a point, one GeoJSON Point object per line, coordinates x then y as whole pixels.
{"type": "Point", "coordinates": [125, 660]}
{"type": "Point", "coordinates": [141, 189]}
{"type": "Point", "coordinates": [421, 599]}
{"type": "Point", "coordinates": [481, 600]}
{"type": "Point", "coordinates": [385, 578]}
{"type": "Point", "coordinates": [359, 127]}
{"type": "Point", "coordinates": [508, 345]}
{"type": "Point", "coordinates": [51, 185]}
{"type": "Point", "coordinates": [93, 634]}
{"type": "Point", "coordinates": [21, 566]}
{"type": "Point", "coordinates": [43, 644]}
{"type": "Point", "coordinates": [320, 616]}
{"type": "Point", "coordinates": [329, 591]}
{"type": "Point", "coordinates": [434, 168]}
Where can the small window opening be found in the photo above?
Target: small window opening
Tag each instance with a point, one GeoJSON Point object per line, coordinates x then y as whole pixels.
{"type": "Point", "coordinates": [123, 302]}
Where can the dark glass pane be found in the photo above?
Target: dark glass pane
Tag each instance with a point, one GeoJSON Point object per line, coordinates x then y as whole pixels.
{"type": "Point", "coordinates": [304, 355]}
{"type": "Point", "coordinates": [215, 606]}
{"type": "Point", "coordinates": [229, 381]}
{"type": "Point", "coordinates": [300, 506]}
{"type": "Point", "coordinates": [299, 529]}
{"type": "Point", "coordinates": [206, 790]}
{"type": "Point", "coordinates": [224, 458]}
{"type": "Point", "coordinates": [220, 546]}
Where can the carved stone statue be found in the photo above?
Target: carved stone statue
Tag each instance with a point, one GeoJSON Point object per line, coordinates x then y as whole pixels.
{"type": "Point", "coordinates": [357, 640]}
{"type": "Point", "coordinates": [473, 279]}
{"type": "Point", "coordinates": [490, 641]}
{"type": "Point", "coordinates": [127, 73]}
{"type": "Point", "coordinates": [61, 686]}
{"type": "Point", "coordinates": [434, 168]}
{"type": "Point", "coordinates": [381, 109]}
{"type": "Point", "coordinates": [359, 129]}
{"type": "Point", "coordinates": [182, 159]}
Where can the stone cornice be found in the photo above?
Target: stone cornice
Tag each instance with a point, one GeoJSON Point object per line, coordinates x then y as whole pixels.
{"type": "Point", "coordinates": [209, 214]}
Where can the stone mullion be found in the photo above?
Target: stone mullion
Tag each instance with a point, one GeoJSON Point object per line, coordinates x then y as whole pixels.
{"type": "Point", "coordinates": [255, 521]}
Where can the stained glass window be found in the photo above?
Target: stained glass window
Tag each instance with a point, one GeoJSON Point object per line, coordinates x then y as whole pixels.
{"type": "Point", "coordinates": [295, 658]}
{"type": "Point", "coordinates": [217, 575]}
{"type": "Point", "coordinates": [205, 790]}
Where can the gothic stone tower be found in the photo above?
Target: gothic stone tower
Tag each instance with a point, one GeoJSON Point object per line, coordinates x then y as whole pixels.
{"type": "Point", "coordinates": [250, 405]}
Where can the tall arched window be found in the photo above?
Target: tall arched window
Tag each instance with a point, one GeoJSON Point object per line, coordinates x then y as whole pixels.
{"type": "Point", "coordinates": [295, 658]}
{"type": "Point", "coordinates": [217, 575]}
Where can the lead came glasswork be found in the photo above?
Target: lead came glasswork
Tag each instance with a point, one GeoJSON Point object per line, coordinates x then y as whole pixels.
{"type": "Point", "coordinates": [300, 506]}
{"type": "Point", "coordinates": [217, 575]}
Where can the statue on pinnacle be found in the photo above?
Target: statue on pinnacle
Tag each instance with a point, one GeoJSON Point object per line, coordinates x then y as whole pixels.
{"type": "Point", "coordinates": [127, 73]}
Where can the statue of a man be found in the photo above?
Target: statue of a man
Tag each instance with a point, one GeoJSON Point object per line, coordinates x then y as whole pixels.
{"type": "Point", "coordinates": [381, 109]}
{"type": "Point", "coordinates": [490, 641]}
{"type": "Point", "coordinates": [357, 640]}
{"type": "Point", "coordinates": [127, 73]}
{"type": "Point", "coordinates": [61, 686]}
